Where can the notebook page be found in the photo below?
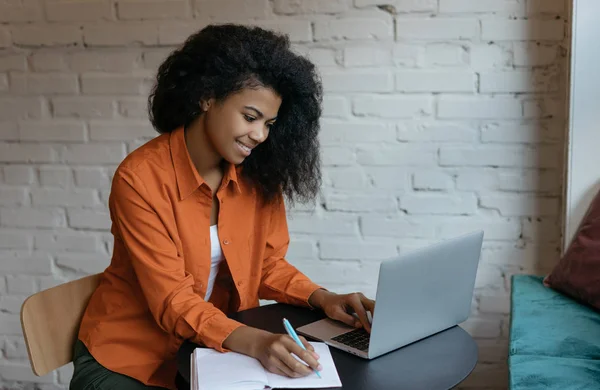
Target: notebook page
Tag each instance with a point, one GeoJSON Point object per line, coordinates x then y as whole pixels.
{"type": "Point", "coordinates": [329, 374]}
{"type": "Point", "coordinates": [228, 371]}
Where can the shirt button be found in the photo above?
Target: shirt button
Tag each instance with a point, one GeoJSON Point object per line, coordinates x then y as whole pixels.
{"type": "Point", "coordinates": [226, 242]}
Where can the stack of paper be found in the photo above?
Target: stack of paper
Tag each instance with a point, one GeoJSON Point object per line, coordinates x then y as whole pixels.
{"type": "Point", "coordinates": [233, 371]}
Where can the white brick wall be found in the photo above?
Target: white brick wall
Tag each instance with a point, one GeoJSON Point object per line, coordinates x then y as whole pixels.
{"type": "Point", "coordinates": [440, 117]}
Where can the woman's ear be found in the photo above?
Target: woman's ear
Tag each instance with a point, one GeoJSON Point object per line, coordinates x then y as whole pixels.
{"type": "Point", "coordinates": [205, 104]}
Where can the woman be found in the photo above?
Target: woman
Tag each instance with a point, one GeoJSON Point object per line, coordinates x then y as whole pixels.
{"type": "Point", "coordinates": [198, 215]}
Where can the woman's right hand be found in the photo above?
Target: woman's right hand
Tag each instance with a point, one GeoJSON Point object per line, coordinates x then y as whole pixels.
{"type": "Point", "coordinates": [274, 351]}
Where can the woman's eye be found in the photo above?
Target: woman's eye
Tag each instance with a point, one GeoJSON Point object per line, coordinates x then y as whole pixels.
{"type": "Point", "coordinates": [249, 118]}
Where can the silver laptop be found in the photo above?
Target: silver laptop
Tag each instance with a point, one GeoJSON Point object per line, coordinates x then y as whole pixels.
{"type": "Point", "coordinates": [419, 294]}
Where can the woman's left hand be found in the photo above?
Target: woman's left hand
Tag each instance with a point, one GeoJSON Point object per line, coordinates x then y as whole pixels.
{"type": "Point", "coordinates": [341, 307]}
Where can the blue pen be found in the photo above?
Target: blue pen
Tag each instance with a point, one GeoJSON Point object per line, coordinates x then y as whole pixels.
{"type": "Point", "coordinates": [292, 333]}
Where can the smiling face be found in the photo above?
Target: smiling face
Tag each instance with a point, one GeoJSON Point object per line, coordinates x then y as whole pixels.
{"type": "Point", "coordinates": [241, 122]}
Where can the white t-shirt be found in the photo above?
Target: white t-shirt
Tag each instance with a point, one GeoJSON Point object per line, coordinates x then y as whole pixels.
{"type": "Point", "coordinates": [216, 256]}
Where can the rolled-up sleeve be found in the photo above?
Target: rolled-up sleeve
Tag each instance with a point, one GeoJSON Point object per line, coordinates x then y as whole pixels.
{"type": "Point", "coordinates": [280, 280]}
{"type": "Point", "coordinates": [160, 270]}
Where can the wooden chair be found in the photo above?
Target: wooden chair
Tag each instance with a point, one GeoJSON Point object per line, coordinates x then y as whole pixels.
{"type": "Point", "coordinates": [50, 321]}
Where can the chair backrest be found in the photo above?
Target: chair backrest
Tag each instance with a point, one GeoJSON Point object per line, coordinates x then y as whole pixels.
{"type": "Point", "coordinates": [50, 321]}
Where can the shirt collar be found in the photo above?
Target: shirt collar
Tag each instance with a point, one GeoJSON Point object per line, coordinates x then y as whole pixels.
{"type": "Point", "coordinates": [188, 178]}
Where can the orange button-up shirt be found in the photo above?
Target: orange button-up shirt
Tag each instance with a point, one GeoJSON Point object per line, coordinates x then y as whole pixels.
{"type": "Point", "coordinates": [150, 298]}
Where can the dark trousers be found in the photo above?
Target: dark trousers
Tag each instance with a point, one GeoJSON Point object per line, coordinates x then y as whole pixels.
{"type": "Point", "coordinates": [91, 375]}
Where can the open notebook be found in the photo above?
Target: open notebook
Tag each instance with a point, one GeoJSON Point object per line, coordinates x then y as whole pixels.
{"type": "Point", "coordinates": [233, 371]}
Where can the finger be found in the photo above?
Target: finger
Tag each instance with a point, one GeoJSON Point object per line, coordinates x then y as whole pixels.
{"type": "Point", "coordinates": [305, 356]}
{"type": "Point", "coordinates": [279, 367]}
{"type": "Point", "coordinates": [360, 310]}
{"type": "Point", "coordinates": [369, 304]}
{"type": "Point", "coordinates": [340, 315]}
{"type": "Point", "coordinates": [309, 346]}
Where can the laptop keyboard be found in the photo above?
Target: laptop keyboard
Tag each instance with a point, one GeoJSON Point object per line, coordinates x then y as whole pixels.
{"type": "Point", "coordinates": [357, 338]}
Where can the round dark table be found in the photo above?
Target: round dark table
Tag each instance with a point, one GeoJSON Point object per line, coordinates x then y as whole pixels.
{"type": "Point", "coordinates": [440, 361]}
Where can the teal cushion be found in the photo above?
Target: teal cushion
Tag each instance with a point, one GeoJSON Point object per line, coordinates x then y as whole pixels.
{"type": "Point", "coordinates": [554, 340]}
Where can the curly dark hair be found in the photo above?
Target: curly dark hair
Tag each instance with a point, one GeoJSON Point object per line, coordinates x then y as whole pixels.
{"type": "Point", "coordinates": [220, 60]}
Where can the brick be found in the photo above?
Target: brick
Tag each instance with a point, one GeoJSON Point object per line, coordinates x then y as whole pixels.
{"type": "Point", "coordinates": [10, 325]}
{"type": "Point", "coordinates": [32, 218]}
{"type": "Point", "coordinates": [133, 107]}
{"type": "Point", "coordinates": [56, 176]}
{"type": "Point", "coordinates": [12, 371]}
{"type": "Point", "coordinates": [336, 133]}
{"type": "Point", "coordinates": [543, 181]}
{"type": "Point", "coordinates": [19, 175]}
{"type": "Point", "coordinates": [488, 276]}
{"type": "Point", "coordinates": [175, 33]}
{"type": "Point", "coordinates": [55, 131]}
{"type": "Point", "coordinates": [396, 226]}
{"type": "Point", "coordinates": [346, 178]}
{"type": "Point", "coordinates": [9, 131]}
{"type": "Point", "coordinates": [153, 58]}
{"type": "Point", "coordinates": [529, 54]}
{"type": "Point", "coordinates": [65, 373]}
{"type": "Point", "coordinates": [13, 196]}
{"type": "Point", "coordinates": [78, 11]}
{"type": "Point", "coordinates": [542, 229]}
{"type": "Point", "coordinates": [437, 29]}
{"type": "Point", "coordinates": [546, 6]}
{"type": "Point", "coordinates": [513, 7]}
{"type": "Point", "coordinates": [120, 130]}
{"type": "Point", "coordinates": [432, 180]}
{"type": "Point", "coordinates": [348, 201]}
{"type": "Point", "coordinates": [357, 81]}
{"type": "Point", "coordinates": [482, 328]}
{"type": "Point", "coordinates": [153, 9]}
{"type": "Point", "coordinates": [302, 248]}
{"type": "Point", "coordinates": [527, 133]}
{"type": "Point", "coordinates": [20, 11]}
{"type": "Point", "coordinates": [404, 155]}
{"type": "Point", "coordinates": [435, 81]}
{"type": "Point", "coordinates": [3, 82]}
{"type": "Point", "coordinates": [333, 224]}
{"type": "Point", "coordinates": [93, 154]}
{"type": "Point", "coordinates": [5, 38]}
{"type": "Point", "coordinates": [91, 177]}
{"type": "Point", "coordinates": [120, 34]}
{"type": "Point", "coordinates": [544, 108]}
{"type": "Point", "coordinates": [17, 263]}
{"type": "Point", "coordinates": [366, 56]}
{"type": "Point", "coordinates": [15, 239]}
{"type": "Point", "coordinates": [113, 84]}
{"type": "Point", "coordinates": [479, 107]}
{"type": "Point", "coordinates": [88, 263]}
{"type": "Point", "coordinates": [48, 61]}
{"type": "Point", "coordinates": [36, 84]}
{"type": "Point", "coordinates": [495, 228]}
{"type": "Point", "coordinates": [506, 156]}
{"type": "Point", "coordinates": [88, 219]}
{"type": "Point", "coordinates": [296, 30]}
{"type": "Point", "coordinates": [437, 131]}
{"type": "Point", "coordinates": [354, 28]}
{"type": "Point", "coordinates": [25, 153]}
{"type": "Point", "coordinates": [13, 61]}
{"type": "Point", "coordinates": [70, 241]}
{"type": "Point", "coordinates": [21, 107]}
{"type": "Point", "coordinates": [507, 255]}
{"type": "Point", "coordinates": [348, 249]}
{"type": "Point", "coordinates": [389, 178]}
{"type": "Point", "coordinates": [439, 204]}
{"type": "Point", "coordinates": [15, 348]}
{"type": "Point", "coordinates": [295, 7]}
{"type": "Point", "coordinates": [106, 61]}
{"type": "Point", "coordinates": [402, 6]}
{"type": "Point", "coordinates": [2, 285]}
{"type": "Point", "coordinates": [335, 107]}
{"type": "Point", "coordinates": [495, 304]}
{"type": "Point", "coordinates": [228, 10]}
{"type": "Point", "coordinates": [320, 56]}
{"type": "Point", "coordinates": [521, 205]}
{"type": "Point", "coordinates": [522, 30]}
{"type": "Point", "coordinates": [490, 56]}
{"type": "Point", "coordinates": [443, 54]}
{"type": "Point", "coordinates": [21, 284]}
{"type": "Point", "coordinates": [346, 271]}
{"type": "Point", "coordinates": [337, 156]}
{"type": "Point", "coordinates": [518, 81]}
{"type": "Point", "coordinates": [83, 107]}
{"type": "Point", "coordinates": [46, 35]}
{"type": "Point", "coordinates": [406, 55]}
{"type": "Point", "coordinates": [392, 106]}
{"type": "Point", "coordinates": [47, 282]}
{"type": "Point", "coordinates": [59, 197]}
